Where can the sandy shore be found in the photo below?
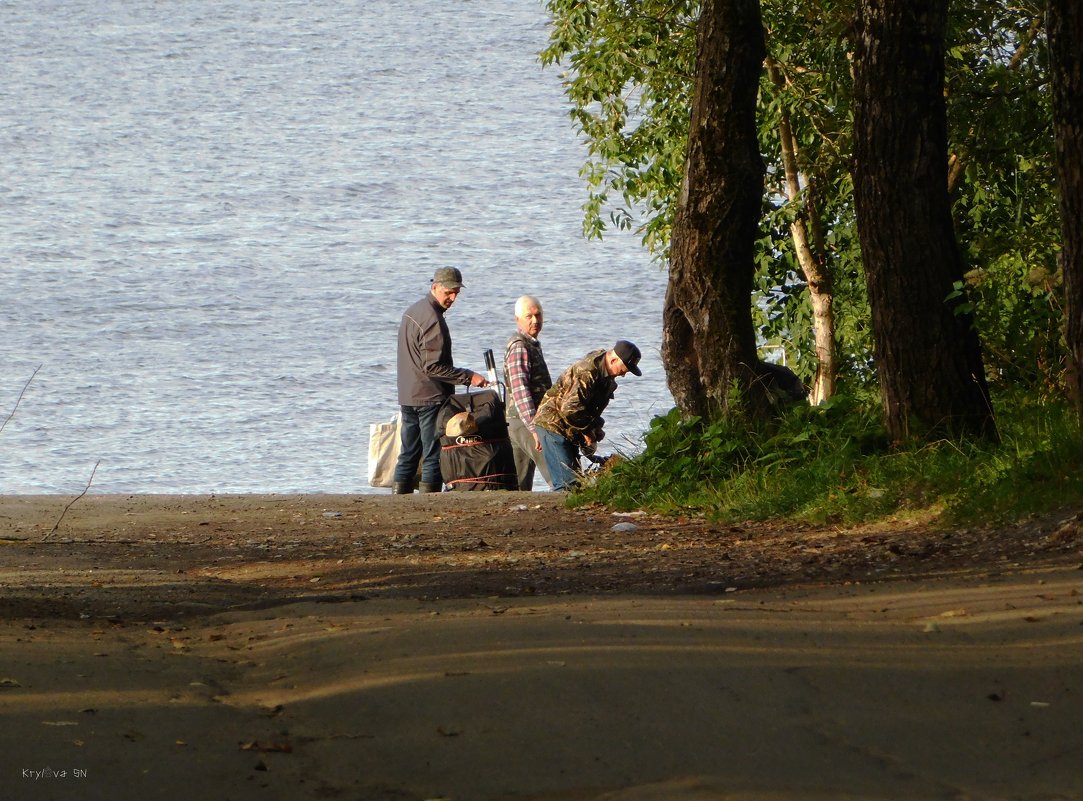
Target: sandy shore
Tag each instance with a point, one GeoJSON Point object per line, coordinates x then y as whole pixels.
{"type": "Point", "coordinates": [377, 648]}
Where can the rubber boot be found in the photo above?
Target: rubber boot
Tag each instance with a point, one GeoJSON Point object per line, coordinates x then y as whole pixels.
{"type": "Point", "coordinates": [427, 487]}
{"type": "Point", "coordinates": [402, 488]}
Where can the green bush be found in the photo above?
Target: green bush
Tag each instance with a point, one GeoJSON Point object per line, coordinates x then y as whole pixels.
{"type": "Point", "coordinates": [833, 463]}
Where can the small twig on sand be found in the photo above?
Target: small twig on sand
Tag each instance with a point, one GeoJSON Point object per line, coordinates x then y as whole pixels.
{"type": "Point", "coordinates": [20, 398]}
{"type": "Point", "coordinates": [73, 500]}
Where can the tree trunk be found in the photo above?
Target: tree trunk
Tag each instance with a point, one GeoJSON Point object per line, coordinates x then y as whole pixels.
{"type": "Point", "coordinates": [811, 255]}
{"type": "Point", "coordinates": [932, 382]}
{"type": "Point", "coordinates": [708, 340]}
{"type": "Point", "coordinates": [1066, 65]}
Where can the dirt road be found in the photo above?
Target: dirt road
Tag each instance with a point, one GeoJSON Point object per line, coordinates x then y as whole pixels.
{"type": "Point", "coordinates": [500, 646]}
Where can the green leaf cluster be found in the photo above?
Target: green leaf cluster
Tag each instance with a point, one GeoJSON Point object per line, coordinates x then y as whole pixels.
{"type": "Point", "coordinates": [1004, 199]}
{"type": "Point", "coordinates": [628, 73]}
{"type": "Point", "coordinates": [629, 69]}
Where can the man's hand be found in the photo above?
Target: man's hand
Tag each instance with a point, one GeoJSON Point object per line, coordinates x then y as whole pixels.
{"type": "Point", "coordinates": [590, 443]}
{"type": "Point", "coordinates": [537, 442]}
{"type": "Point", "coordinates": [478, 380]}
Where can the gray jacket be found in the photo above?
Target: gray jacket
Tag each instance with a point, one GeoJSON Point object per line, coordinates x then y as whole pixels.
{"type": "Point", "coordinates": [425, 371]}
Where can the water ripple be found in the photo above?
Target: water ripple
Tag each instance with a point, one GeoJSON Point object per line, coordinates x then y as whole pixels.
{"type": "Point", "coordinates": [214, 214]}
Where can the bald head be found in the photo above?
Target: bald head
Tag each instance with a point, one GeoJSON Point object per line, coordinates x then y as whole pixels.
{"type": "Point", "coordinates": [528, 315]}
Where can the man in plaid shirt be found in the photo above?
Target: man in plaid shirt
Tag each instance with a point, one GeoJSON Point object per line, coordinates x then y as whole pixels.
{"type": "Point", "coordinates": [526, 378]}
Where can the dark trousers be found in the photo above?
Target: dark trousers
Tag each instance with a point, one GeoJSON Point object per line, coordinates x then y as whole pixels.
{"type": "Point", "coordinates": [419, 442]}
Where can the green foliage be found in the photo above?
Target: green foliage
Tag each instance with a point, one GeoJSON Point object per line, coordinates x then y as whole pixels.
{"type": "Point", "coordinates": [686, 460]}
{"type": "Point", "coordinates": [1004, 189]}
{"type": "Point", "coordinates": [630, 70]}
{"type": "Point", "coordinates": [629, 81]}
{"type": "Point", "coordinates": [1038, 467]}
{"type": "Point", "coordinates": [629, 77]}
{"type": "Point", "coordinates": [1018, 311]}
{"type": "Point", "coordinates": [833, 463]}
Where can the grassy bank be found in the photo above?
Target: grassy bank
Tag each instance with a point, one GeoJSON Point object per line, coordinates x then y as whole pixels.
{"type": "Point", "coordinates": [834, 464]}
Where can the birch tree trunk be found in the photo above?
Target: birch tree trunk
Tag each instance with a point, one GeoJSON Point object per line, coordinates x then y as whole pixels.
{"type": "Point", "coordinates": [928, 357]}
{"type": "Point", "coordinates": [811, 255]}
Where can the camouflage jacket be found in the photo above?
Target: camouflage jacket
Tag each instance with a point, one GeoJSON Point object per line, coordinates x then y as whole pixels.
{"type": "Point", "coordinates": [573, 406]}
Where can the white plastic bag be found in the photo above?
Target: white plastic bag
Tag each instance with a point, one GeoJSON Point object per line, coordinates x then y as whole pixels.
{"type": "Point", "coordinates": [384, 446]}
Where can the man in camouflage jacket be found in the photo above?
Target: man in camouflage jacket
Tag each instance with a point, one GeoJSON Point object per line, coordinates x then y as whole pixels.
{"type": "Point", "coordinates": [569, 417]}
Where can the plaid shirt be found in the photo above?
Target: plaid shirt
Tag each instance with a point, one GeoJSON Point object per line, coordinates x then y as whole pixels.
{"type": "Point", "coordinates": [517, 365]}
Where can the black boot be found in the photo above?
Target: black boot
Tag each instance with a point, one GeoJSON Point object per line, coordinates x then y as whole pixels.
{"type": "Point", "coordinates": [403, 488]}
{"type": "Point", "coordinates": [427, 487]}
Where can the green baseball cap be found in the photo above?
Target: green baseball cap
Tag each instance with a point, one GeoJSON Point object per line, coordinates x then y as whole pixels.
{"type": "Point", "coordinates": [449, 277]}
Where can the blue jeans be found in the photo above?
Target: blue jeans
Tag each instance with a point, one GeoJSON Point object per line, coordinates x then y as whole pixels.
{"type": "Point", "coordinates": [419, 442]}
{"type": "Point", "coordinates": [561, 457]}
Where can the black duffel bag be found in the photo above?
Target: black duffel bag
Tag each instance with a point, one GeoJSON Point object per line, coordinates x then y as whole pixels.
{"type": "Point", "coordinates": [476, 454]}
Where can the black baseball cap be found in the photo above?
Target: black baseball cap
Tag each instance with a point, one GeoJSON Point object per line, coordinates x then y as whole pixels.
{"type": "Point", "coordinates": [629, 354]}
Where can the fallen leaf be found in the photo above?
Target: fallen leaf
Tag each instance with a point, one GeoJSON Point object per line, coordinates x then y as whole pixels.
{"type": "Point", "coordinates": [267, 748]}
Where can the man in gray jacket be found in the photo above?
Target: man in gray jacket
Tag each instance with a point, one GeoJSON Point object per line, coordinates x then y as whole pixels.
{"type": "Point", "coordinates": [426, 377]}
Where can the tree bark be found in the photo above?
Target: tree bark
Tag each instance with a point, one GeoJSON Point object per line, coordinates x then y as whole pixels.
{"type": "Point", "coordinates": [809, 246]}
{"type": "Point", "coordinates": [932, 381]}
{"type": "Point", "coordinates": [708, 339]}
{"type": "Point", "coordinates": [1066, 65]}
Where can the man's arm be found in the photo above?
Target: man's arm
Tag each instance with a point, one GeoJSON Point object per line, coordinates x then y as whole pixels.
{"type": "Point", "coordinates": [431, 348]}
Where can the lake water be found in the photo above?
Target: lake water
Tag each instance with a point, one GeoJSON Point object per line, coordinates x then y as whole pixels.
{"type": "Point", "coordinates": [213, 213]}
